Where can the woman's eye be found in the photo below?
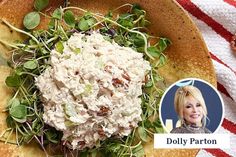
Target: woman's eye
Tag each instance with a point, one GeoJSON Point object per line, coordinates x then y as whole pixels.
{"type": "Point", "coordinates": [198, 105]}
{"type": "Point", "coordinates": [188, 106]}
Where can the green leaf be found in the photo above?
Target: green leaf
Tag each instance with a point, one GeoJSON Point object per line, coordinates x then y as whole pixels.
{"type": "Point", "coordinates": [59, 47]}
{"type": "Point", "coordinates": [142, 133]}
{"type": "Point", "coordinates": [137, 10]}
{"type": "Point", "coordinates": [18, 112]}
{"type": "Point", "coordinates": [139, 41]}
{"type": "Point", "coordinates": [31, 20]}
{"type": "Point", "coordinates": [70, 123]}
{"type": "Point", "coordinates": [13, 81]}
{"type": "Point", "coordinates": [126, 20]}
{"type": "Point", "coordinates": [126, 23]}
{"type": "Point", "coordinates": [57, 14]}
{"type": "Point", "coordinates": [14, 102]}
{"type": "Point", "coordinates": [76, 50]}
{"type": "Point", "coordinates": [44, 50]}
{"type": "Point", "coordinates": [157, 123]}
{"type": "Point", "coordinates": [83, 25]}
{"type": "Point", "coordinates": [114, 147]}
{"type": "Point", "coordinates": [51, 24]}
{"type": "Point", "coordinates": [162, 59]}
{"type": "Point", "coordinates": [138, 151]}
{"type": "Point", "coordinates": [149, 84]}
{"type": "Point", "coordinates": [163, 43]}
{"type": "Point", "coordinates": [52, 135]}
{"type": "Point", "coordinates": [91, 21]}
{"type": "Point", "coordinates": [147, 123]}
{"type": "Point", "coordinates": [87, 89]}
{"type": "Point", "coordinates": [159, 130]}
{"type": "Point", "coordinates": [84, 154]}
{"type": "Point", "coordinates": [37, 126]}
{"type": "Point", "coordinates": [69, 18]}
{"type": "Point", "coordinates": [19, 70]}
{"type": "Point", "coordinates": [10, 122]}
{"type": "Point", "coordinates": [119, 40]}
{"type": "Point", "coordinates": [40, 4]}
{"type": "Point", "coordinates": [153, 51]}
{"type": "Point", "coordinates": [32, 64]}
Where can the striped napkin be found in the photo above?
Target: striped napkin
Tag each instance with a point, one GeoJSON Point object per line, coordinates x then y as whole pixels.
{"type": "Point", "coordinates": [216, 19]}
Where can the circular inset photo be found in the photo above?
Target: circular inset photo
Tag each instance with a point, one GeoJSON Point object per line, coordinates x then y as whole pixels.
{"type": "Point", "coordinates": [191, 106]}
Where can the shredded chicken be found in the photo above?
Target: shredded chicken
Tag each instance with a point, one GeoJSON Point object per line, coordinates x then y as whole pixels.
{"type": "Point", "coordinates": [94, 94]}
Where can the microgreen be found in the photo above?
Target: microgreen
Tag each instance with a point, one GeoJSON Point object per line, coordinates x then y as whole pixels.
{"type": "Point", "coordinates": [163, 43]}
{"type": "Point", "coordinates": [18, 113]}
{"type": "Point", "coordinates": [138, 151]}
{"type": "Point", "coordinates": [10, 122]}
{"type": "Point", "coordinates": [31, 57]}
{"type": "Point", "coordinates": [14, 102]}
{"type": "Point", "coordinates": [31, 20]}
{"type": "Point", "coordinates": [86, 22]}
{"type": "Point", "coordinates": [53, 136]}
{"type": "Point", "coordinates": [32, 64]}
{"type": "Point", "coordinates": [13, 81]}
{"type": "Point", "coordinates": [149, 84]}
{"type": "Point", "coordinates": [142, 133]}
{"type": "Point", "coordinates": [59, 47]}
{"type": "Point", "coordinates": [69, 18]}
{"type": "Point", "coordinates": [76, 50]}
{"type": "Point", "coordinates": [83, 25]}
{"type": "Point", "coordinates": [152, 50]}
{"type": "Point", "coordinates": [40, 4]}
{"type": "Point", "coordinates": [57, 14]}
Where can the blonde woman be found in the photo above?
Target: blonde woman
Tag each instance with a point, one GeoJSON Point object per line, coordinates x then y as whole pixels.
{"type": "Point", "coordinates": [191, 109]}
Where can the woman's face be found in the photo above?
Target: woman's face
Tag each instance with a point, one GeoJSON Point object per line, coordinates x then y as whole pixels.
{"type": "Point", "coordinates": [193, 111]}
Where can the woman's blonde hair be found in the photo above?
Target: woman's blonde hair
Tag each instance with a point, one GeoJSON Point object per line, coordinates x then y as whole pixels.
{"type": "Point", "coordinates": [180, 99]}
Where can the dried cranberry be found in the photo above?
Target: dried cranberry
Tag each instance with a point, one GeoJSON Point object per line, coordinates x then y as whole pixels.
{"type": "Point", "coordinates": [103, 111]}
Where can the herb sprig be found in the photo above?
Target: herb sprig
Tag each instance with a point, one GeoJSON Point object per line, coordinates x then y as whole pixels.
{"type": "Point", "coordinates": [30, 59]}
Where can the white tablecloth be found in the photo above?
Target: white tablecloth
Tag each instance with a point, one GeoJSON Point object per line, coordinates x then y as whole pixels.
{"type": "Point", "coordinates": [216, 19]}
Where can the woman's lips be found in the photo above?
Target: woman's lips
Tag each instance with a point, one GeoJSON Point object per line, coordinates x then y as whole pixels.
{"type": "Point", "coordinates": [195, 116]}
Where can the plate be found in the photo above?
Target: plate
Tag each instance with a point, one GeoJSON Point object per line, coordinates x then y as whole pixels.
{"type": "Point", "coordinates": [187, 56]}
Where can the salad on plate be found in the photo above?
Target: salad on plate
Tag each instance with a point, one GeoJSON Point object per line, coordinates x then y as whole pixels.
{"type": "Point", "coordinates": [88, 84]}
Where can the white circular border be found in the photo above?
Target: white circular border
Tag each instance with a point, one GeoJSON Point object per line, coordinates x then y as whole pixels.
{"type": "Point", "coordinates": [197, 79]}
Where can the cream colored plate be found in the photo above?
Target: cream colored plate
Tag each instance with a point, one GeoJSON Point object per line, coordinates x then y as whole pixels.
{"type": "Point", "coordinates": [188, 55]}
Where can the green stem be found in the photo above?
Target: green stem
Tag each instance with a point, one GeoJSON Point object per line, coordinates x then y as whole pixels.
{"type": "Point", "coordinates": [139, 18]}
{"type": "Point", "coordinates": [4, 132]}
{"type": "Point", "coordinates": [42, 57]}
{"type": "Point", "coordinates": [22, 91]}
{"type": "Point", "coordinates": [20, 31]}
{"type": "Point", "coordinates": [60, 27]}
{"type": "Point", "coordinates": [44, 14]}
{"type": "Point", "coordinates": [17, 127]}
{"type": "Point", "coordinates": [10, 142]}
{"type": "Point", "coordinates": [52, 39]}
{"type": "Point", "coordinates": [9, 136]}
{"type": "Point", "coordinates": [7, 44]}
{"type": "Point", "coordinates": [124, 5]}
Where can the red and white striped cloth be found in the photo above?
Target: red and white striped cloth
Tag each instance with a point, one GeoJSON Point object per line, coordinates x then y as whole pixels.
{"type": "Point", "coordinates": [216, 19]}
